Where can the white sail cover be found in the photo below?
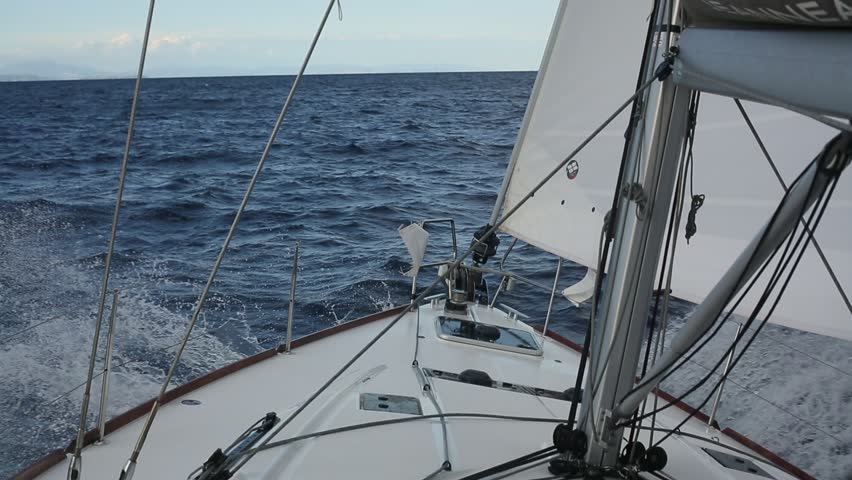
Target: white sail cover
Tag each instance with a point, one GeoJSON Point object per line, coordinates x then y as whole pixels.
{"type": "Point", "coordinates": [590, 67]}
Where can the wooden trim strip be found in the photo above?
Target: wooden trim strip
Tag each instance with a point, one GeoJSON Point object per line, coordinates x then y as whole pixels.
{"type": "Point", "coordinates": [55, 457]}
{"type": "Point", "coordinates": [739, 437]}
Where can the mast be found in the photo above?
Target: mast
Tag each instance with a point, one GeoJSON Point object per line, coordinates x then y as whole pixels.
{"type": "Point", "coordinates": [639, 226]}
{"type": "Point", "coordinates": [638, 242]}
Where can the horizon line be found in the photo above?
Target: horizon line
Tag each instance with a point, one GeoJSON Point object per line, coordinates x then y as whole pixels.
{"type": "Point", "coordinates": [176, 77]}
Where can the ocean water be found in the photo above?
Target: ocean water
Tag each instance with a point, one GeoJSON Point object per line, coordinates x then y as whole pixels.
{"type": "Point", "coordinates": [358, 156]}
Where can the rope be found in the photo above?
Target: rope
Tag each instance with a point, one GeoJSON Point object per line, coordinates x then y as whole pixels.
{"type": "Point", "coordinates": [757, 331]}
{"type": "Point", "coordinates": [663, 374]}
{"type": "Point", "coordinates": [772, 308]}
{"type": "Point", "coordinates": [782, 265]}
{"type": "Point", "coordinates": [27, 329]}
{"type": "Point", "coordinates": [393, 421]}
{"type": "Point", "coordinates": [784, 186]}
{"type": "Point", "coordinates": [667, 267]}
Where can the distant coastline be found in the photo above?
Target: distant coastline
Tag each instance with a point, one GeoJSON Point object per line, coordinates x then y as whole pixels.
{"type": "Point", "coordinates": [39, 78]}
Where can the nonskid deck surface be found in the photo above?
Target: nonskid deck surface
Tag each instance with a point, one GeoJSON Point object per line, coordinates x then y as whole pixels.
{"type": "Point", "coordinates": [188, 429]}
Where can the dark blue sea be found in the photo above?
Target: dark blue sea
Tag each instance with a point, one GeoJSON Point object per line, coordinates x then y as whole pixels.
{"type": "Point", "coordinates": [358, 156]}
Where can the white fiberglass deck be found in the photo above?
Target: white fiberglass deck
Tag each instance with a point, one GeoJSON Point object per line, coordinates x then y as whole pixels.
{"type": "Point", "coordinates": [184, 436]}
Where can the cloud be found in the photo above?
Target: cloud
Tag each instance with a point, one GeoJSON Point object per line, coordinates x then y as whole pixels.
{"type": "Point", "coordinates": [169, 40]}
{"type": "Point", "coordinates": [121, 39]}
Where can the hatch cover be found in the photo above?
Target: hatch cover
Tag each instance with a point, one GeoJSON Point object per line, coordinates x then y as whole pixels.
{"type": "Point", "coordinates": [383, 402]}
{"type": "Point", "coordinates": [737, 463]}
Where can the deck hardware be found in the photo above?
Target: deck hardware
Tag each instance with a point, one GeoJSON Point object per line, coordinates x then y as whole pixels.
{"type": "Point", "coordinates": [190, 402]}
{"type": "Point", "coordinates": [149, 420]}
{"type": "Point", "coordinates": [75, 466]}
{"type": "Point", "coordinates": [292, 297]}
{"type": "Point", "coordinates": [737, 463]}
{"type": "Point", "coordinates": [552, 298]}
{"type": "Point", "coordinates": [102, 411]}
{"type": "Point", "coordinates": [383, 402]}
{"type": "Point", "coordinates": [217, 466]}
{"type": "Point", "coordinates": [711, 421]}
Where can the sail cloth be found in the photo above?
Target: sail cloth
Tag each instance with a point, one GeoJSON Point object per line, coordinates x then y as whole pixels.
{"type": "Point", "coordinates": [797, 13]}
{"type": "Point", "coordinates": [590, 66]}
{"type": "Point", "coordinates": [582, 290]}
{"type": "Point", "coordinates": [810, 69]}
{"type": "Point", "coordinates": [741, 193]}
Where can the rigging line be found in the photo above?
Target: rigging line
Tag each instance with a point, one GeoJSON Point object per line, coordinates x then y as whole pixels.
{"type": "Point", "coordinates": [665, 374]}
{"type": "Point", "coordinates": [764, 297]}
{"type": "Point", "coordinates": [779, 407]}
{"type": "Point", "coordinates": [27, 329]}
{"type": "Point", "coordinates": [665, 273]}
{"type": "Point", "coordinates": [429, 389]}
{"type": "Point", "coordinates": [776, 275]}
{"type": "Point", "coordinates": [97, 375]}
{"type": "Point", "coordinates": [578, 385]}
{"type": "Point", "coordinates": [514, 463]}
{"type": "Point", "coordinates": [598, 380]}
{"type": "Point", "coordinates": [607, 231]}
{"type": "Point", "coordinates": [436, 472]}
{"type": "Point", "coordinates": [643, 251]}
{"type": "Point", "coordinates": [816, 244]}
{"type": "Point", "coordinates": [393, 421]}
{"type": "Point", "coordinates": [771, 310]}
{"type": "Point", "coordinates": [524, 468]}
{"type": "Point", "coordinates": [806, 354]}
{"type": "Point", "coordinates": [774, 279]}
{"type": "Point", "coordinates": [74, 467]}
{"type": "Point", "coordinates": [714, 443]}
{"type": "Point", "coordinates": [454, 265]}
{"type": "Point", "coordinates": [127, 472]}
{"type": "Point", "coordinates": [687, 165]}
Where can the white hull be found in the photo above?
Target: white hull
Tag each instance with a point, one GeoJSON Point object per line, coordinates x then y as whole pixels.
{"type": "Point", "coordinates": [183, 436]}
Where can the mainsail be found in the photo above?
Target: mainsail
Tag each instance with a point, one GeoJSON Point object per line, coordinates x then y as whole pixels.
{"type": "Point", "coordinates": [582, 77]}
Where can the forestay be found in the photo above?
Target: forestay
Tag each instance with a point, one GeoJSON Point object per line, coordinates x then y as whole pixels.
{"type": "Point", "coordinates": [590, 66]}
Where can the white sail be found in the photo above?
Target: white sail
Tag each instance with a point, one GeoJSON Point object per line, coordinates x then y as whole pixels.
{"type": "Point", "coordinates": [741, 192]}
{"type": "Point", "coordinates": [585, 74]}
{"type": "Point", "coordinates": [590, 67]}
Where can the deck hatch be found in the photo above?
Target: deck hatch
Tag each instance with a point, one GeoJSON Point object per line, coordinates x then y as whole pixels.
{"type": "Point", "coordinates": [512, 387]}
{"type": "Point", "coordinates": [737, 463]}
{"type": "Point", "coordinates": [486, 335]}
{"type": "Point", "coordinates": [383, 402]}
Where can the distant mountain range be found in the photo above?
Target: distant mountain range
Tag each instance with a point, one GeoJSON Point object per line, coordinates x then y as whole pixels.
{"type": "Point", "coordinates": [41, 69]}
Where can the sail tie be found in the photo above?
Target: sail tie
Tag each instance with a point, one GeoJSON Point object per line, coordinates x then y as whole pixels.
{"type": "Point", "coordinates": [691, 227]}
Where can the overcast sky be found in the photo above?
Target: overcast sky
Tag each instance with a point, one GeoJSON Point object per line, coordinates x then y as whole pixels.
{"type": "Point", "coordinates": [217, 37]}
